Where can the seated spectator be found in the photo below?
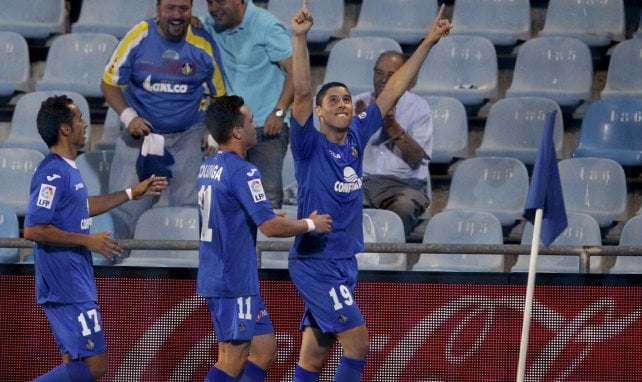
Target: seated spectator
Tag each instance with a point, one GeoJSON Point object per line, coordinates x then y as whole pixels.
{"type": "Point", "coordinates": [395, 163]}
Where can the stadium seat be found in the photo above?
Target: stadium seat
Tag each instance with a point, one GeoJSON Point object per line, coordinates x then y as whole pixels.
{"type": "Point", "coordinates": [9, 229]}
{"type": "Point", "coordinates": [199, 8]}
{"type": "Point", "coordinates": [595, 186]}
{"type": "Point", "coordinates": [351, 61]}
{"type": "Point", "coordinates": [166, 223]}
{"type": "Point", "coordinates": [76, 62]}
{"type": "Point", "coordinates": [559, 68]}
{"type": "Point", "coordinates": [611, 129]}
{"type": "Point", "coordinates": [631, 235]}
{"type": "Point", "coordinates": [328, 17]}
{"type": "Point", "coordinates": [406, 22]}
{"type": "Point", "coordinates": [514, 128]}
{"type": "Point", "coordinates": [114, 17]}
{"type": "Point", "coordinates": [24, 132]}
{"type": "Point", "coordinates": [624, 75]}
{"type": "Point", "coordinates": [33, 19]}
{"type": "Point", "coordinates": [463, 67]}
{"type": "Point", "coordinates": [102, 223]}
{"type": "Point", "coordinates": [462, 227]}
{"type": "Point", "coordinates": [492, 184]}
{"type": "Point", "coordinates": [16, 169]}
{"type": "Point", "coordinates": [14, 64]}
{"type": "Point", "coordinates": [273, 259]}
{"type": "Point", "coordinates": [503, 22]}
{"type": "Point", "coordinates": [111, 131]}
{"type": "Point", "coordinates": [94, 167]}
{"type": "Point", "coordinates": [382, 226]}
{"type": "Point", "coordinates": [450, 129]}
{"type": "Point", "coordinates": [596, 23]}
{"type": "Point", "coordinates": [582, 230]}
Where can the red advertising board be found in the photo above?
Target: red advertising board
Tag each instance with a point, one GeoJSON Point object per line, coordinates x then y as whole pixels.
{"type": "Point", "coordinates": [426, 329]}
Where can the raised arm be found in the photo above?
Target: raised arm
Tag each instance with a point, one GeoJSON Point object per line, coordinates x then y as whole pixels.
{"type": "Point", "coordinates": [402, 78]}
{"type": "Point", "coordinates": [301, 23]}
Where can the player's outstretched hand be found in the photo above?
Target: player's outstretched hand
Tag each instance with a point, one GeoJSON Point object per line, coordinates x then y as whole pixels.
{"type": "Point", "coordinates": [102, 243]}
{"type": "Point", "coordinates": [151, 186]}
{"type": "Point", "coordinates": [440, 26]}
{"type": "Point", "coordinates": [322, 223]}
{"type": "Point", "coordinates": [302, 20]}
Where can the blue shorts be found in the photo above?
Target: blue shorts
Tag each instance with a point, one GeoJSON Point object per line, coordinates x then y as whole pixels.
{"type": "Point", "coordinates": [77, 328]}
{"type": "Point", "coordinates": [239, 318]}
{"type": "Point", "coordinates": [327, 288]}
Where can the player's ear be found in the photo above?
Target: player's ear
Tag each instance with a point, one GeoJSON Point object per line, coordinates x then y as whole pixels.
{"type": "Point", "coordinates": [65, 129]}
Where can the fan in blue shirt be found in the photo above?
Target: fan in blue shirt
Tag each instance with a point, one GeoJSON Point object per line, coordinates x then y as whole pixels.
{"type": "Point", "coordinates": [58, 219]}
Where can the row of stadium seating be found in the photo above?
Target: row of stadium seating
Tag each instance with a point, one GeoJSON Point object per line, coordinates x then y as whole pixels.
{"type": "Point", "coordinates": [505, 22]}
{"type": "Point", "coordinates": [456, 226]}
{"type": "Point", "coordinates": [463, 67]}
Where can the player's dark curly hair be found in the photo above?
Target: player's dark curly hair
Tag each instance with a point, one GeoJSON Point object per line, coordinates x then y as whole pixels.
{"type": "Point", "coordinates": [54, 112]}
{"type": "Point", "coordinates": [223, 115]}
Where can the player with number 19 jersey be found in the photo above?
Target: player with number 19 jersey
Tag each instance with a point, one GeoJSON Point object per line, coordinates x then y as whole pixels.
{"type": "Point", "coordinates": [58, 197]}
{"type": "Point", "coordinates": [232, 205]}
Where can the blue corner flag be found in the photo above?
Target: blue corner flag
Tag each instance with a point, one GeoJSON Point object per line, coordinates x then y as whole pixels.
{"type": "Point", "coordinates": [546, 190]}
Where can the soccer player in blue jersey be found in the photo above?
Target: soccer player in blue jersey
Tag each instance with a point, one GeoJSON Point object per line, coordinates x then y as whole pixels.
{"type": "Point", "coordinates": [328, 168]}
{"type": "Point", "coordinates": [58, 219]}
{"type": "Point", "coordinates": [232, 205]}
{"type": "Point", "coordinates": [156, 81]}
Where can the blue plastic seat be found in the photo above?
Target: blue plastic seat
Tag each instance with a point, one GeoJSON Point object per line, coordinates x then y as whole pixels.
{"type": "Point", "coordinates": [328, 17]}
{"type": "Point", "coordinates": [595, 186]}
{"type": "Point", "coordinates": [111, 131]}
{"type": "Point", "coordinates": [559, 68]}
{"type": "Point", "coordinates": [274, 259]}
{"type": "Point", "coordinates": [114, 17]}
{"type": "Point", "coordinates": [582, 230]}
{"type": "Point", "coordinates": [611, 129]}
{"type": "Point", "coordinates": [351, 61]}
{"type": "Point", "coordinates": [33, 19]}
{"type": "Point", "coordinates": [166, 223]}
{"type": "Point", "coordinates": [514, 128]}
{"type": "Point", "coordinates": [9, 229]}
{"type": "Point", "coordinates": [450, 129]}
{"type": "Point", "coordinates": [14, 64]}
{"type": "Point", "coordinates": [463, 67]}
{"type": "Point", "coordinates": [596, 23]}
{"type": "Point", "coordinates": [102, 223]}
{"type": "Point", "coordinates": [16, 169]}
{"type": "Point", "coordinates": [24, 132]}
{"type": "Point", "coordinates": [382, 226]}
{"type": "Point", "coordinates": [76, 62]}
{"type": "Point", "coordinates": [503, 22]}
{"type": "Point", "coordinates": [624, 75]}
{"type": "Point", "coordinates": [406, 22]}
{"type": "Point", "coordinates": [462, 227]}
{"type": "Point", "coordinates": [631, 235]}
{"type": "Point", "coordinates": [94, 167]}
{"type": "Point", "coordinates": [492, 184]}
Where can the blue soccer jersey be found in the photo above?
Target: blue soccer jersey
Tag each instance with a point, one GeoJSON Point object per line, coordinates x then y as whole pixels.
{"type": "Point", "coordinates": [232, 204]}
{"type": "Point", "coordinates": [58, 197]}
{"type": "Point", "coordinates": [329, 178]}
{"type": "Point", "coordinates": [164, 79]}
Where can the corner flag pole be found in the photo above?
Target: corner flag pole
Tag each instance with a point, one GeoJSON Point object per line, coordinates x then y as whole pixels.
{"type": "Point", "coordinates": [530, 289]}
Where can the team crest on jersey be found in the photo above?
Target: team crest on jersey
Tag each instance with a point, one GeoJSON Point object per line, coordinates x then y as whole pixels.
{"type": "Point", "coordinates": [362, 115]}
{"type": "Point", "coordinates": [46, 195]}
{"type": "Point", "coordinates": [186, 69]}
{"type": "Point", "coordinates": [355, 153]}
{"type": "Point", "coordinates": [256, 188]}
